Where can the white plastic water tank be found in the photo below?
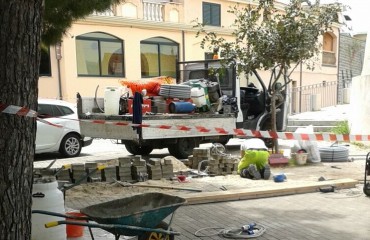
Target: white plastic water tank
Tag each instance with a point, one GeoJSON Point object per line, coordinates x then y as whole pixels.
{"type": "Point", "coordinates": [198, 96]}
{"type": "Point", "coordinates": [46, 196]}
{"type": "Point", "coordinates": [111, 100]}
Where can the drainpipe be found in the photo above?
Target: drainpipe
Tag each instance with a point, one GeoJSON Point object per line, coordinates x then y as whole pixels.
{"type": "Point", "coordinates": [58, 54]}
{"type": "Point", "coordinates": [183, 45]}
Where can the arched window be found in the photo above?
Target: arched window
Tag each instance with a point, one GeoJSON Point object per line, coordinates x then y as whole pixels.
{"type": "Point", "coordinates": [328, 43]}
{"type": "Point", "coordinates": [158, 57]}
{"type": "Point", "coordinates": [99, 54]}
{"type": "Point", "coordinates": [329, 49]}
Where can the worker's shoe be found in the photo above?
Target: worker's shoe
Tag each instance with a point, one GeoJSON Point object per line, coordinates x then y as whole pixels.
{"type": "Point", "coordinates": [266, 172]}
{"type": "Point", "coordinates": [245, 174]}
{"type": "Point", "coordinates": [252, 169]}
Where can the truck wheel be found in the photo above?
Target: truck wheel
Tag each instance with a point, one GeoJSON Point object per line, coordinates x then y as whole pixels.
{"type": "Point", "coordinates": [183, 148]}
{"type": "Point", "coordinates": [71, 145]}
{"type": "Point", "coordinates": [157, 236]}
{"type": "Point", "coordinates": [135, 149]}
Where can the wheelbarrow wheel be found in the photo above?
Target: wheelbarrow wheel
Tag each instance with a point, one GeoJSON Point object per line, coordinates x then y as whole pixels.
{"type": "Point", "coordinates": [157, 236]}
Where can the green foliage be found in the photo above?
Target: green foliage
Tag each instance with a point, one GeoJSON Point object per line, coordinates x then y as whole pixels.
{"type": "Point", "coordinates": [60, 14]}
{"type": "Point", "coordinates": [341, 128]}
{"type": "Point", "coordinates": [267, 38]}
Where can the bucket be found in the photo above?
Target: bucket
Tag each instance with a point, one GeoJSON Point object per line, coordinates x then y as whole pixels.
{"type": "Point", "coordinates": [112, 96]}
{"type": "Point", "coordinates": [75, 230]}
{"type": "Point", "coordinates": [300, 158]}
{"type": "Point", "coordinates": [181, 107]}
{"type": "Point", "coordinates": [198, 96]}
{"type": "Point", "coordinates": [46, 196]}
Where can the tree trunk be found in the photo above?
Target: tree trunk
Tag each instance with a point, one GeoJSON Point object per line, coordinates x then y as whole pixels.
{"type": "Point", "coordinates": [20, 31]}
{"type": "Point", "coordinates": [273, 120]}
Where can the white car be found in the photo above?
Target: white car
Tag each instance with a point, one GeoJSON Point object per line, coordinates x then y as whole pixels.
{"type": "Point", "coordinates": [66, 138]}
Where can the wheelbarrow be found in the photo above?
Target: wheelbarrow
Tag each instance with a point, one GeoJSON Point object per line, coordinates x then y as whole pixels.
{"type": "Point", "coordinates": [140, 215]}
{"type": "Point", "coordinates": [367, 173]}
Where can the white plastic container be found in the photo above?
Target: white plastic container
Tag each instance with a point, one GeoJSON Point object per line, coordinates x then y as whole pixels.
{"type": "Point", "coordinates": [111, 100]}
{"type": "Point", "coordinates": [198, 96]}
{"type": "Point", "coordinates": [46, 196]}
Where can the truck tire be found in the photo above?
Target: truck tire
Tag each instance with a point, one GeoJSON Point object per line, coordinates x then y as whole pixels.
{"type": "Point", "coordinates": [135, 149]}
{"type": "Point", "coordinates": [183, 148]}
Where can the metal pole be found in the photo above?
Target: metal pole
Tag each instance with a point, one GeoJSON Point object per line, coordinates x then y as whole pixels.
{"type": "Point", "coordinates": [300, 87]}
{"type": "Point", "coordinates": [58, 54]}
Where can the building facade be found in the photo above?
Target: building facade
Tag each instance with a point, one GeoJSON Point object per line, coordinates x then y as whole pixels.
{"type": "Point", "coordinates": [140, 39]}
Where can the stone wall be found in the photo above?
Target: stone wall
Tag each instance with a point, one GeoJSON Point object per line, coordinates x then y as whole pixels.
{"type": "Point", "coordinates": [351, 56]}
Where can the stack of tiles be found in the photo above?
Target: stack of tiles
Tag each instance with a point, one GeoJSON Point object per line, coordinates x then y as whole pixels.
{"type": "Point", "coordinates": [64, 175]}
{"type": "Point", "coordinates": [90, 167]}
{"type": "Point", "coordinates": [199, 155]}
{"type": "Point", "coordinates": [124, 169]}
{"type": "Point", "coordinates": [154, 169]}
{"type": "Point", "coordinates": [78, 171]}
{"type": "Point", "coordinates": [109, 173]}
{"type": "Point", "coordinates": [167, 168]}
{"type": "Point", "coordinates": [139, 171]}
{"type": "Point", "coordinates": [222, 164]}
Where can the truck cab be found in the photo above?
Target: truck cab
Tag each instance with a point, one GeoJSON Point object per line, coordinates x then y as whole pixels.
{"type": "Point", "coordinates": [248, 89]}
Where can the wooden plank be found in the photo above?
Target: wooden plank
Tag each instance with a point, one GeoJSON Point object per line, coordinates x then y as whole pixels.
{"type": "Point", "coordinates": [280, 189]}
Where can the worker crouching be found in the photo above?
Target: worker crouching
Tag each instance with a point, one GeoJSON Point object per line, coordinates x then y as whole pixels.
{"type": "Point", "coordinates": [254, 160]}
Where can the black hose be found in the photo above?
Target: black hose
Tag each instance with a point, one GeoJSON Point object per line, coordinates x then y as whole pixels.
{"type": "Point", "coordinates": [96, 100]}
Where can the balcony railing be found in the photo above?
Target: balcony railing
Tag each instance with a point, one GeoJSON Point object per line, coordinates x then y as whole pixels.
{"type": "Point", "coordinates": [153, 11]}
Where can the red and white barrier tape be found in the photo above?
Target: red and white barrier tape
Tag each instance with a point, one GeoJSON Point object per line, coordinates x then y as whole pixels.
{"type": "Point", "coordinates": [21, 111]}
{"type": "Point", "coordinates": [246, 133]}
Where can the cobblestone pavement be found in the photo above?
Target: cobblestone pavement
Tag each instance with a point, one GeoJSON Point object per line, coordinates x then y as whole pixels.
{"type": "Point", "coordinates": [339, 215]}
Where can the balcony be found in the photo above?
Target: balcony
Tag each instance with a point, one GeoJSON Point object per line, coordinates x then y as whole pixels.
{"type": "Point", "coordinates": [153, 11]}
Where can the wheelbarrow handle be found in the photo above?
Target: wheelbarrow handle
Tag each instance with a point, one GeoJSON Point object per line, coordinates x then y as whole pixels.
{"type": "Point", "coordinates": [61, 215]}
{"type": "Point", "coordinates": [110, 226]}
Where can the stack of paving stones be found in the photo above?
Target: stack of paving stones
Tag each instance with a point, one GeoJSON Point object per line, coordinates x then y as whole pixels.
{"type": "Point", "coordinates": [222, 164]}
{"type": "Point", "coordinates": [167, 168]}
{"type": "Point", "coordinates": [199, 155]}
{"type": "Point", "coordinates": [64, 175]}
{"type": "Point", "coordinates": [138, 169]}
{"type": "Point", "coordinates": [154, 169]}
{"type": "Point", "coordinates": [109, 173]}
{"type": "Point", "coordinates": [93, 177]}
{"type": "Point", "coordinates": [78, 171]}
{"type": "Point", "coordinates": [218, 164]}
{"type": "Point", "coordinates": [124, 169]}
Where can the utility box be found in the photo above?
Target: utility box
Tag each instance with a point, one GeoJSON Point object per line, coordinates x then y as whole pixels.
{"type": "Point", "coordinates": [346, 95]}
{"type": "Point", "coordinates": [315, 102]}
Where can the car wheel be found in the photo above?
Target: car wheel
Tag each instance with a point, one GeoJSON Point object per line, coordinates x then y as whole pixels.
{"type": "Point", "coordinates": [71, 145]}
